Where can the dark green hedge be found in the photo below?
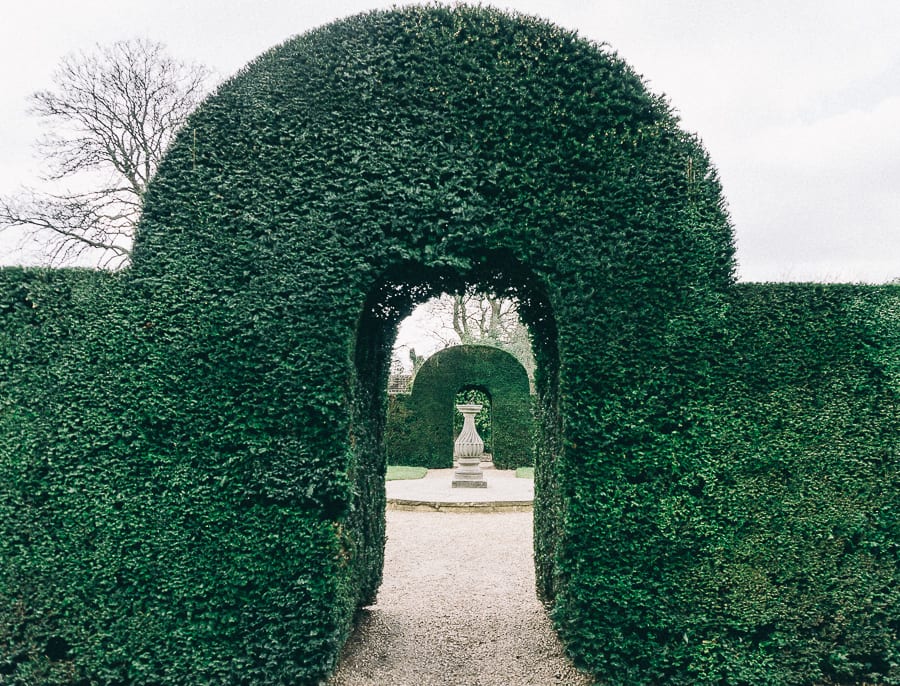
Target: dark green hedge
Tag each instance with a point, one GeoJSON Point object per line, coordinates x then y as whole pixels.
{"type": "Point", "coordinates": [368, 166]}
{"type": "Point", "coordinates": [142, 542]}
{"type": "Point", "coordinates": [37, 311]}
{"type": "Point", "coordinates": [419, 428]}
{"type": "Point", "coordinates": [754, 538]}
{"type": "Point", "coordinates": [192, 468]}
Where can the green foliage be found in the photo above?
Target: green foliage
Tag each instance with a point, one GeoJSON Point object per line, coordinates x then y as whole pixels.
{"type": "Point", "coordinates": [753, 537]}
{"type": "Point", "coordinates": [139, 546]}
{"type": "Point", "coordinates": [40, 318]}
{"type": "Point", "coordinates": [421, 428]}
{"type": "Point", "coordinates": [399, 429]}
{"type": "Point", "coordinates": [192, 452]}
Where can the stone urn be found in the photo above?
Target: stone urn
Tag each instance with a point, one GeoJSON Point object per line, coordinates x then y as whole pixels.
{"type": "Point", "coordinates": [467, 450]}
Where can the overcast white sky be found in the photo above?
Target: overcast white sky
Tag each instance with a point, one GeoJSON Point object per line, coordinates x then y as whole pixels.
{"type": "Point", "coordinates": [797, 101]}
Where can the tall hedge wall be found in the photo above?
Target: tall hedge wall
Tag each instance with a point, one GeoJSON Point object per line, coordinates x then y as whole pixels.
{"type": "Point", "coordinates": [419, 428]}
{"type": "Point", "coordinates": [198, 497]}
{"type": "Point", "coordinates": [753, 538]}
{"type": "Point", "coordinates": [36, 308]}
{"type": "Point", "coordinates": [44, 316]}
{"type": "Point", "coordinates": [149, 535]}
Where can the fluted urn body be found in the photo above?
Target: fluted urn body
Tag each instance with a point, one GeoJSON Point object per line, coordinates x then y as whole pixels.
{"type": "Point", "coordinates": [467, 450]}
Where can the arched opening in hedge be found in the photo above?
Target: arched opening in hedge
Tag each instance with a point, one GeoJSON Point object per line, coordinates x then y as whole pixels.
{"type": "Point", "coordinates": [424, 423]}
{"type": "Point", "coordinates": [394, 296]}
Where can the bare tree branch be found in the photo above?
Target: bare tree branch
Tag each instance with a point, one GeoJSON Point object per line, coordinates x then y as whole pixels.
{"type": "Point", "coordinates": [111, 114]}
{"type": "Point", "coordinates": [478, 318]}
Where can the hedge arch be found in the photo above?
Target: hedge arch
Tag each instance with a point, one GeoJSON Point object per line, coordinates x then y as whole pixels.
{"type": "Point", "coordinates": [365, 167]}
{"type": "Point", "coordinates": [430, 405]}
{"type": "Point", "coordinates": [232, 451]}
{"type": "Point", "coordinates": [193, 465]}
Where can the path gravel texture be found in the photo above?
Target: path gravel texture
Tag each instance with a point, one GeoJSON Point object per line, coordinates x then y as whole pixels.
{"type": "Point", "coordinates": [457, 607]}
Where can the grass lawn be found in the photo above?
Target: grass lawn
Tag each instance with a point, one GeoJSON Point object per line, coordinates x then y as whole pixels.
{"type": "Point", "coordinates": [525, 473]}
{"type": "Point", "coordinates": [397, 473]}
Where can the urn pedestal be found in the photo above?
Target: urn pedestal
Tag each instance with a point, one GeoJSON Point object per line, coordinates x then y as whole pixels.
{"type": "Point", "coordinates": [467, 450]}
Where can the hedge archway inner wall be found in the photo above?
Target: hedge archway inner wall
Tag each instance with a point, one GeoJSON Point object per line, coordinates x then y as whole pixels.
{"type": "Point", "coordinates": [201, 495]}
{"type": "Point", "coordinates": [428, 411]}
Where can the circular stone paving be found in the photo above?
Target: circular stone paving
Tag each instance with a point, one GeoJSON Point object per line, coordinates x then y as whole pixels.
{"type": "Point", "coordinates": [435, 492]}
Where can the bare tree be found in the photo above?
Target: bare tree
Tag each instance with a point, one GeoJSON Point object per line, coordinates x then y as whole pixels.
{"type": "Point", "coordinates": [479, 318]}
{"type": "Point", "coordinates": [486, 320]}
{"type": "Point", "coordinates": [110, 117]}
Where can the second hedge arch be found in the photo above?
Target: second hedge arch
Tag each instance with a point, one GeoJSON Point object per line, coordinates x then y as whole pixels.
{"type": "Point", "coordinates": [426, 439]}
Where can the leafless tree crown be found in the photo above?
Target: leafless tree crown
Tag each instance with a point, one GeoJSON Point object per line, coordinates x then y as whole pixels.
{"type": "Point", "coordinates": [484, 319]}
{"type": "Point", "coordinates": [110, 117]}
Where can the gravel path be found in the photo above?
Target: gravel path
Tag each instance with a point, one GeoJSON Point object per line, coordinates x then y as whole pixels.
{"type": "Point", "coordinates": [457, 607]}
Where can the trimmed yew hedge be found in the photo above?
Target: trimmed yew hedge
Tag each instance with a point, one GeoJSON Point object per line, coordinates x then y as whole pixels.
{"type": "Point", "coordinates": [753, 539]}
{"type": "Point", "coordinates": [802, 484]}
{"type": "Point", "coordinates": [193, 482]}
{"type": "Point", "coordinates": [419, 428]}
{"type": "Point", "coordinates": [368, 166]}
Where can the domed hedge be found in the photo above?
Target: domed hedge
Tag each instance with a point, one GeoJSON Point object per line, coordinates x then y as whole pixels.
{"type": "Point", "coordinates": [201, 497]}
{"type": "Point", "coordinates": [337, 181]}
{"type": "Point", "coordinates": [422, 428]}
{"type": "Point", "coordinates": [364, 167]}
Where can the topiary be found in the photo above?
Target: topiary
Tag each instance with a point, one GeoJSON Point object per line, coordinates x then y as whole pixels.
{"type": "Point", "coordinates": [429, 411]}
{"type": "Point", "coordinates": [200, 496]}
